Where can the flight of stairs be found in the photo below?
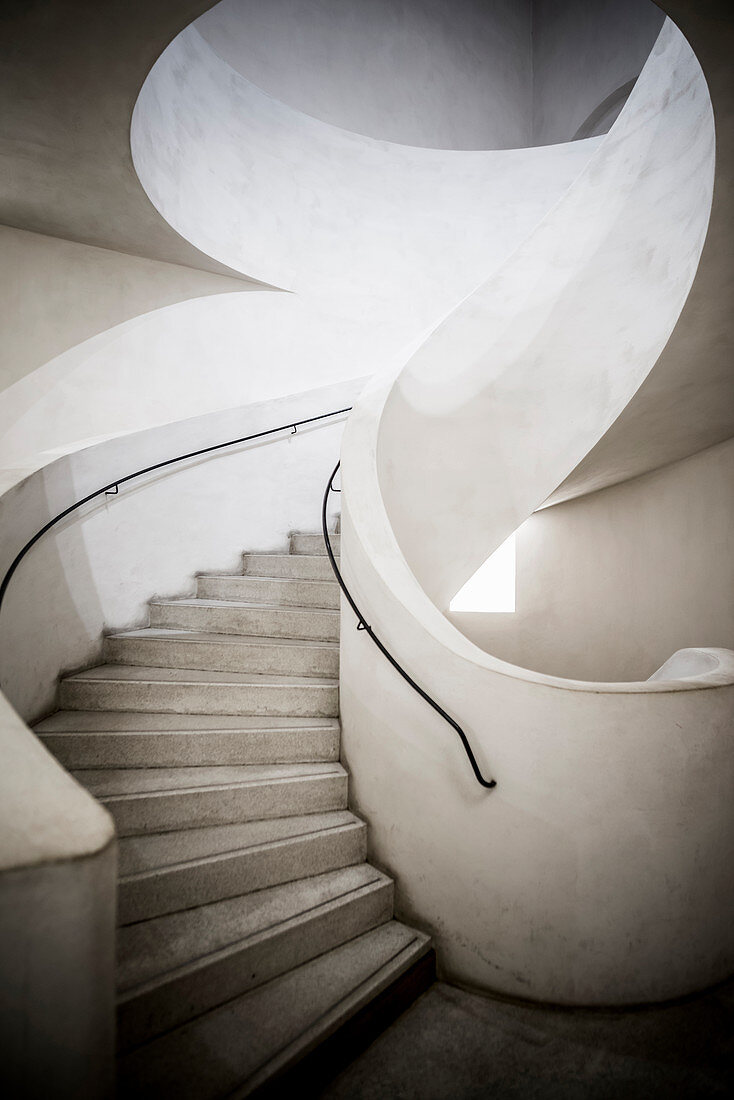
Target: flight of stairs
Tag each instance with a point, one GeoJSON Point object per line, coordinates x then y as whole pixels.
{"type": "Point", "coordinates": [250, 926]}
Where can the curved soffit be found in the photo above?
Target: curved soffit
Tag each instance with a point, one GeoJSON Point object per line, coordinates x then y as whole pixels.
{"type": "Point", "coordinates": [686, 403]}
{"type": "Point", "coordinates": [71, 71]}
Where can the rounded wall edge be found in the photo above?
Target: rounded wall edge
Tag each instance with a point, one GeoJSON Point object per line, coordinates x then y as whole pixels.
{"type": "Point", "coordinates": [580, 879]}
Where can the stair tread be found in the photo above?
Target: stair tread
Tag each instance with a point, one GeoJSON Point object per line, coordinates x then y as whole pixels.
{"type": "Point", "coordinates": [163, 634]}
{"type": "Point", "coordinates": [154, 674]}
{"type": "Point", "coordinates": [281, 554]}
{"type": "Point", "coordinates": [130, 722]}
{"type": "Point", "coordinates": [141, 855]}
{"type": "Point", "coordinates": [155, 950]}
{"type": "Point", "coordinates": [282, 1020]}
{"type": "Point", "coordinates": [251, 605]}
{"type": "Point", "coordinates": [105, 783]}
{"type": "Point", "coordinates": [260, 577]}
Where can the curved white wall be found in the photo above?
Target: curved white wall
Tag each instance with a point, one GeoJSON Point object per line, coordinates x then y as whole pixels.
{"type": "Point", "coordinates": [448, 75]}
{"type": "Point", "coordinates": [597, 871]}
{"type": "Point", "coordinates": [609, 585]}
{"type": "Point", "coordinates": [98, 569]}
{"type": "Point", "coordinates": [378, 241]}
{"type": "Point", "coordinates": [55, 294]}
{"type": "Point", "coordinates": [583, 52]}
{"type": "Point", "coordinates": [526, 375]}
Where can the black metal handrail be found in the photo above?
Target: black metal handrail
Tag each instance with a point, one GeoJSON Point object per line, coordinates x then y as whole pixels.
{"type": "Point", "coordinates": [363, 625]}
{"type": "Point", "coordinates": [114, 486]}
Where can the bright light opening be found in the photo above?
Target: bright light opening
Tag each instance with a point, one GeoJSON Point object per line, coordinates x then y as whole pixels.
{"type": "Point", "coordinates": [492, 588]}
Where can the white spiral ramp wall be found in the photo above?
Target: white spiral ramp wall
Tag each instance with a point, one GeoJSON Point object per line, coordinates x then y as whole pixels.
{"type": "Point", "coordinates": [597, 872]}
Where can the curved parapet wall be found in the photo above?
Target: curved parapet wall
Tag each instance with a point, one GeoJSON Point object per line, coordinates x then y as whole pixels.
{"type": "Point", "coordinates": [525, 376]}
{"type": "Point", "coordinates": [598, 870]}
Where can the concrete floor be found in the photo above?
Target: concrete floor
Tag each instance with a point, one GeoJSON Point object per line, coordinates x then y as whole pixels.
{"type": "Point", "coordinates": [452, 1044]}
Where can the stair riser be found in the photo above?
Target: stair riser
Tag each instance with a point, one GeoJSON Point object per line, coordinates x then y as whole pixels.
{"type": "Point", "coordinates": [171, 750]}
{"type": "Point", "coordinates": [291, 593]}
{"type": "Point", "coordinates": [314, 544]}
{"type": "Point", "coordinates": [312, 701]}
{"type": "Point", "coordinates": [251, 963]}
{"type": "Point", "coordinates": [163, 811]}
{"type": "Point", "coordinates": [295, 566]}
{"type": "Point", "coordinates": [264, 660]}
{"type": "Point", "coordinates": [167, 891]}
{"type": "Point", "coordinates": [334, 1004]}
{"type": "Point", "coordinates": [263, 622]}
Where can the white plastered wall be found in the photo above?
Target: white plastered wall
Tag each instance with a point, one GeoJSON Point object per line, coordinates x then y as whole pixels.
{"type": "Point", "coordinates": [524, 377]}
{"type": "Point", "coordinates": [98, 569]}
{"type": "Point", "coordinates": [55, 294]}
{"type": "Point", "coordinates": [376, 242]}
{"type": "Point", "coordinates": [597, 871]}
{"type": "Point", "coordinates": [611, 584]}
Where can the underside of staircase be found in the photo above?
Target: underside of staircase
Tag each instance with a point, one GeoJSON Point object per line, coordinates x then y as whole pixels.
{"type": "Point", "coordinates": [252, 931]}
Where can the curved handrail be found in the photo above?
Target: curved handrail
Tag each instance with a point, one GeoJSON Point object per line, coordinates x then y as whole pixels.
{"type": "Point", "coordinates": [114, 486]}
{"type": "Point", "coordinates": [362, 625]}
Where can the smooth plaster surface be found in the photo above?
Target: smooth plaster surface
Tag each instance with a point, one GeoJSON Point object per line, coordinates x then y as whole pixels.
{"type": "Point", "coordinates": [57, 972]}
{"type": "Point", "coordinates": [71, 72]}
{"type": "Point", "coordinates": [610, 585]}
{"type": "Point", "coordinates": [687, 402]}
{"type": "Point", "coordinates": [583, 52]}
{"type": "Point", "coordinates": [416, 72]}
{"type": "Point", "coordinates": [380, 240]}
{"type": "Point", "coordinates": [55, 294]}
{"type": "Point", "coordinates": [523, 378]}
{"type": "Point", "coordinates": [598, 870]}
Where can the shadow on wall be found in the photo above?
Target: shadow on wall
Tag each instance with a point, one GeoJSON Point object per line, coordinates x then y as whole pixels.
{"type": "Point", "coordinates": [52, 605]}
{"type": "Point", "coordinates": [603, 117]}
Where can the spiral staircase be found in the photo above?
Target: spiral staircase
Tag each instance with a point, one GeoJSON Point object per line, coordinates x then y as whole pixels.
{"type": "Point", "coordinates": [250, 927]}
{"type": "Point", "coordinates": [536, 315]}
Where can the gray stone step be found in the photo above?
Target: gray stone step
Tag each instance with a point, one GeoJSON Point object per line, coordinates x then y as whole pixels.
{"type": "Point", "coordinates": [175, 967]}
{"type": "Point", "coordinates": [165, 872]}
{"type": "Point", "coordinates": [306, 567]}
{"type": "Point", "coordinates": [313, 543]}
{"type": "Point", "coordinates": [156, 800]}
{"type": "Point", "coordinates": [130, 739]}
{"type": "Point", "coordinates": [193, 691]}
{"type": "Point", "coordinates": [222, 653]}
{"type": "Point", "coordinates": [283, 1020]}
{"type": "Point", "coordinates": [269, 590]}
{"type": "Point", "coordinates": [228, 617]}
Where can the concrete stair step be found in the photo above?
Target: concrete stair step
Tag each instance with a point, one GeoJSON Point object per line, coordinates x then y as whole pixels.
{"type": "Point", "coordinates": [282, 1021]}
{"type": "Point", "coordinates": [194, 691]}
{"type": "Point", "coordinates": [222, 653]}
{"type": "Point", "coordinates": [156, 800]}
{"type": "Point", "coordinates": [229, 617]}
{"type": "Point", "coordinates": [130, 721]}
{"type": "Point", "coordinates": [288, 591]}
{"type": "Point", "coordinates": [313, 543]}
{"type": "Point", "coordinates": [166, 872]}
{"type": "Point", "coordinates": [305, 567]}
{"type": "Point", "coordinates": [263, 741]}
{"type": "Point", "coordinates": [175, 967]}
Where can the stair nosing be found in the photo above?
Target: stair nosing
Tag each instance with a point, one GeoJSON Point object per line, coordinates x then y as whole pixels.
{"type": "Point", "coordinates": [265, 1070]}
{"type": "Point", "coordinates": [207, 958]}
{"type": "Point", "coordinates": [252, 679]}
{"type": "Point", "coordinates": [203, 637]}
{"type": "Point", "coordinates": [216, 857]}
{"type": "Point", "coordinates": [189, 601]}
{"type": "Point", "coordinates": [173, 791]}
